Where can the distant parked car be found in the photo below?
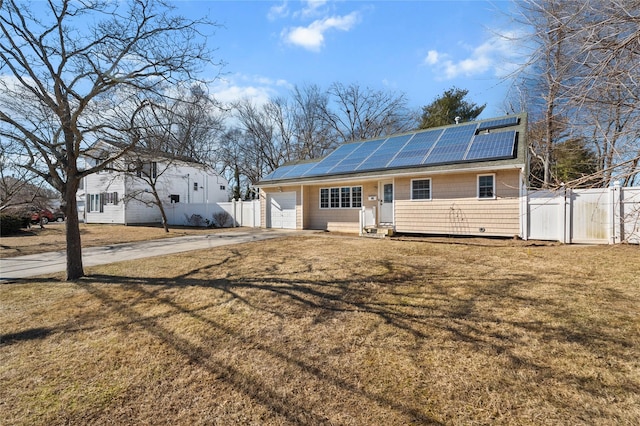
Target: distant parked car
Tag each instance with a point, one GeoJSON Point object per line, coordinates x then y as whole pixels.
{"type": "Point", "coordinates": [43, 216]}
{"type": "Point", "coordinates": [58, 216]}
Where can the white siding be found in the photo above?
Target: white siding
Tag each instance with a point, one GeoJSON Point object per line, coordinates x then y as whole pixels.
{"type": "Point", "coordinates": [135, 201]}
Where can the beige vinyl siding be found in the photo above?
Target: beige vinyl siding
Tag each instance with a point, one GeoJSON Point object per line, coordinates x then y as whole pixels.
{"type": "Point", "coordinates": [264, 203]}
{"type": "Point", "coordinates": [335, 219]}
{"type": "Point", "coordinates": [455, 208]}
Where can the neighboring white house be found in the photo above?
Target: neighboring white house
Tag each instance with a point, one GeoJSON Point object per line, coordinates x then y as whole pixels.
{"type": "Point", "coordinates": [125, 197]}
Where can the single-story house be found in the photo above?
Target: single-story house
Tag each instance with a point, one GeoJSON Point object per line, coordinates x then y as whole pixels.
{"type": "Point", "coordinates": [122, 193]}
{"type": "Point", "coordinates": [463, 179]}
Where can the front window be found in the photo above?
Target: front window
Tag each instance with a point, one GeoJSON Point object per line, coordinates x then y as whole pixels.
{"type": "Point", "coordinates": [356, 196]}
{"type": "Point", "coordinates": [486, 186]}
{"type": "Point", "coordinates": [342, 197]}
{"type": "Point", "coordinates": [324, 198]}
{"type": "Point", "coordinates": [335, 198]}
{"type": "Point", "coordinates": [345, 197]}
{"type": "Point", "coordinates": [421, 189]}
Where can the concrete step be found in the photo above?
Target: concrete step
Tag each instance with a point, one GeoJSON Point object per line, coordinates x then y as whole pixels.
{"type": "Point", "coordinates": [378, 232]}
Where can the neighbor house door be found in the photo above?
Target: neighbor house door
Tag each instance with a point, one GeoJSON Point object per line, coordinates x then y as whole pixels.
{"type": "Point", "coordinates": [386, 202]}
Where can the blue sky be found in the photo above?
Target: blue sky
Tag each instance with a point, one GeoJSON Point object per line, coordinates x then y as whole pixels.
{"type": "Point", "coordinates": [420, 48]}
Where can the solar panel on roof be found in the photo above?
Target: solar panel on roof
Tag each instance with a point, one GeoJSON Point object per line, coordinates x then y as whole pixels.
{"type": "Point", "coordinates": [416, 149]}
{"type": "Point", "coordinates": [452, 144]}
{"type": "Point", "coordinates": [279, 172]}
{"type": "Point", "coordinates": [492, 145]}
{"type": "Point", "coordinates": [457, 135]}
{"type": "Point", "coordinates": [299, 169]}
{"type": "Point", "coordinates": [436, 146]}
{"type": "Point", "coordinates": [496, 124]}
{"type": "Point", "coordinates": [381, 157]}
{"type": "Point", "coordinates": [353, 160]}
{"type": "Point", "coordinates": [446, 154]}
{"type": "Point", "coordinates": [328, 162]}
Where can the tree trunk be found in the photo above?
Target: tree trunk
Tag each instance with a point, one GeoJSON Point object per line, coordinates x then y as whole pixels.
{"type": "Point", "coordinates": [75, 269]}
{"type": "Point", "coordinates": [165, 223]}
{"type": "Point", "coordinates": [236, 177]}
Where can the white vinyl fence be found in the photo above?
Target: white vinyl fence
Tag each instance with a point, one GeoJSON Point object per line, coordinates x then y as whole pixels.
{"type": "Point", "coordinates": [229, 214]}
{"type": "Point", "coordinates": [588, 216]}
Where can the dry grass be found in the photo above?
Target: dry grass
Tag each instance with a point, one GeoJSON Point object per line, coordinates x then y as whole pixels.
{"type": "Point", "coordinates": [52, 237]}
{"type": "Point", "coordinates": [331, 330]}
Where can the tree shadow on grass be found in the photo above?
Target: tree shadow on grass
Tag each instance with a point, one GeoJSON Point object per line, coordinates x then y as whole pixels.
{"type": "Point", "coordinates": [252, 387]}
{"type": "Point", "coordinates": [406, 309]}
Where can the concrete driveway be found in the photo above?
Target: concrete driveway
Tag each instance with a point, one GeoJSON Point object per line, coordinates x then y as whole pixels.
{"type": "Point", "coordinates": [46, 263]}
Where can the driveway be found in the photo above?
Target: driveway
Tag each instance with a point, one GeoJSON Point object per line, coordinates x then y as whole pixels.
{"type": "Point", "coordinates": [46, 263]}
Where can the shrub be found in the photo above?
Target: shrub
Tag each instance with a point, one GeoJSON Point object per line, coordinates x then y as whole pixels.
{"type": "Point", "coordinates": [11, 224]}
{"type": "Point", "coordinates": [222, 219]}
{"type": "Point", "coordinates": [197, 220]}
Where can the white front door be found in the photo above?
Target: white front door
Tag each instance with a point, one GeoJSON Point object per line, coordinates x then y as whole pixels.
{"type": "Point", "coordinates": [386, 202]}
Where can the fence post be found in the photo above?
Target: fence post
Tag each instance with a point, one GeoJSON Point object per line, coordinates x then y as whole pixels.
{"type": "Point", "coordinates": [567, 214]}
{"type": "Point", "coordinates": [235, 212]}
{"type": "Point", "coordinates": [617, 219]}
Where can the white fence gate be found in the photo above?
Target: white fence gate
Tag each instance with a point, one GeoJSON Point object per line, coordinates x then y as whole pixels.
{"type": "Point", "coordinates": [589, 216]}
{"type": "Point", "coordinates": [240, 213]}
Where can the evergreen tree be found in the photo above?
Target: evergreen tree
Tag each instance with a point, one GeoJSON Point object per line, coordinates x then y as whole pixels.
{"type": "Point", "coordinates": [445, 108]}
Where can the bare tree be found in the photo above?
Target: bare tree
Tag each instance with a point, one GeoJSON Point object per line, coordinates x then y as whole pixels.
{"type": "Point", "coordinates": [546, 77]}
{"type": "Point", "coordinates": [19, 187]}
{"type": "Point", "coordinates": [314, 135]}
{"type": "Point", "coordinates": [584, 71]}
{"type": "Point", "coordinates": [240, 161]}
{"type": "Point", "coordinates": [364, 114]}
{"type": "Point", "coordinates": [184, 128]}
{"type": "Point", "coordinates": [79, 72]}
{"type": "Point", "coordinates": [307, 126]}
{"type": "Point", "coordinates": [608, 92]}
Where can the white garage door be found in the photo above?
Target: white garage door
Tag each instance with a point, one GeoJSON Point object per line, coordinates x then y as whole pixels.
{"type": "Point", "coordinates": [282, 210]}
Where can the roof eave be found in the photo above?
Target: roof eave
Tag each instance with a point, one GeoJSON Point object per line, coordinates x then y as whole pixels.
{"type": "Point", "coordinates": [471, 167]}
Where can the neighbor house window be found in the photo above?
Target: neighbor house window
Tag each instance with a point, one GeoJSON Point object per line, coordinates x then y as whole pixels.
{"type": "Point", "coordinates": [174, 198]}
{"type": "Point", "coordinates": [222, 188]}
{"type": "Point", "coordinates": [148, 170]}
{"type": "Point", "coordinates": [96, 203]}
{"type": "Point", "coordinates": [343, 197]}
{"type": "Point", "coordinates": [110, 197]}
{"type": "Point", "coordinates": [195, 186]}
{"type": "Point", "coordinates": [486, 186]}
{"type": "Point", "coordinates": [421, 189]}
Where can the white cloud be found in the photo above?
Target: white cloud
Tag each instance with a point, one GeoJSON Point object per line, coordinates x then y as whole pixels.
{"type": "Point", "coordinates": [432, 57]}
{"type": "Point", "coordinates": [278, 11]}
{"type": "Point", "coordinates": [312, 36]}
{"type": "Point", "coordinates": [258, 89]}
{"type": "Point", "coordinates": [313, 8]}
{"type": "Point", "coordinates": [494, 55]}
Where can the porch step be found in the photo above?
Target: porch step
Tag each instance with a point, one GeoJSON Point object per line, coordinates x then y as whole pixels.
{"type": "Point", "coordinates": [378, 232]}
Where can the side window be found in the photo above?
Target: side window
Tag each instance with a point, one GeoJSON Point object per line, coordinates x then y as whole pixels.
{"type": "Point", "coordinates": [486, 186]}
{"type": "Point", "coordinates": [421, 189]}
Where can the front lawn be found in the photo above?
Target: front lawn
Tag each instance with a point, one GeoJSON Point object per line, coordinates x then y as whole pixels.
{"type": "Point", "coordinates": [324, 329]}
